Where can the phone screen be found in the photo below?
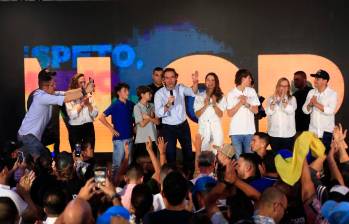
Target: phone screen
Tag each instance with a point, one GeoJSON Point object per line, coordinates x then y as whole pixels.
{"type": "Point", "coordinates": [20, 156]}
{"type": "Point", "coordinates": [100, 175]}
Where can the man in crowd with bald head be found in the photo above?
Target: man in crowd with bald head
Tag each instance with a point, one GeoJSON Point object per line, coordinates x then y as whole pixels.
{"type": "Point", "coordinates": [78, 211]}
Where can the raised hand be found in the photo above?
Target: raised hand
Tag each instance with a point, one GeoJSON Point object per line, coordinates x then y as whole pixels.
{"type": "Point", "coordinates": [108, 189]}
{"type": "Point", "coordinates": [127, 150]}
{"type": "Point", "coordinates": [149, 144]}
{"type": "Point", "coordinates": [87, 191]}
{"type": "Point", "coordinates": [161, 145]}
{"type": "Point", "coordinates": [195, 77]}
{"type": "Point", "coordinates": [26, 182]}
{"type": "Point", "coordinates": [230, 173]}
{"type": "Point", "coordinates": [170, 100]}
{"type": "Point", "coordinates": [90, 87]}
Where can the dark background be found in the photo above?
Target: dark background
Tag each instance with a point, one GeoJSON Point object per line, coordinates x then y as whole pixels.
{"type": "Point", "coordinates": [249, 27]}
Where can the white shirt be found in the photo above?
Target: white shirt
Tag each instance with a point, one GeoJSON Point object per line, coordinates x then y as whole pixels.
{"type": "Point", "coordinates": [39, 113]}
{"type": "Point", "coordinates": [158, 202]}
{"type": "Point", "coordinates": [281, 120]}
{"type": "Point", "coordinates": [50, 220]}
{"type": "Point", "coordinates": [84, 116]}
{"type": "Point", "coordinates": [21, 205]}
{"type": "Point", "coordinates": [209, 114]}
{"type": "Point", "coordinates": [176, 113]}
{"type": "Point", "coordinates": [242, 123]}
{"type": "Point", "coordinates": [321, 121]}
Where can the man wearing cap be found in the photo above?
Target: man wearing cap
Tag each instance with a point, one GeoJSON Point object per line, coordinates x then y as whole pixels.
{"type": "Point", "coordinates": [39, 113]}
{"type": "Point", "coordinates": [321, 104]}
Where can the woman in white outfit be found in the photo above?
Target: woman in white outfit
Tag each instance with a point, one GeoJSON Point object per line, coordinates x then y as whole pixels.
{"type": "Point", "coordinates": [280, 111]}
{"type": "Point", "coordinates": [209, 107]}
{"type": "Point", "coordinates": [82, 113]}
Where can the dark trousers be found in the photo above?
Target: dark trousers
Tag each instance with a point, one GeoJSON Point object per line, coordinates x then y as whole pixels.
{"type": "Point", "coordinates": [82, 134]}
{"type": "Point", "coordinates": [281, 143]}
{"type": "Point", "coordinates": [180, 132]}
{"type": "Point", "coordinates": [327, 139]}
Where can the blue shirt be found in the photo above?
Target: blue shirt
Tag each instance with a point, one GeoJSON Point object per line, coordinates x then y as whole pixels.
{"type": "Point", "coordinates": [121, 117]}
{"type": "Point", "coordinates": [176, 113]}
{"type": "Point", "coordinates": [39, 113]}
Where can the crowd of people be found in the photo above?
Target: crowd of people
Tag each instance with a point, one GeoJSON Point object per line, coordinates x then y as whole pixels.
{"type": "Point", "coordinates": [296, 172]}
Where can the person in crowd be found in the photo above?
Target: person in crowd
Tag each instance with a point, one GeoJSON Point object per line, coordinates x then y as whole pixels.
{"type": "Point", "coordinates": [66, 175]}
{"type": "Point", "coordinates": [82, 112]}
{"type": "Point", "coordinates": [121, 111]}
{"type": "Point", "coordinates": [266, 164]}
{"type": "Point", "coordinates": [145, 120]}
{"type": "Point", "coordinates": [302, 90]}
{"type": "Point", "coordinates": [157, 83]}
{"type": "Point", "coordinates": [134, 176]}
{"type": "Point", "coordinates": [280, 110]}
{"type": "Point", "coordinates": [209, 107]}
{"type": "Point", "coordinates": [77, 211]}
{"type": "Point", "coordinates": [54, 202]}
{"type": "Point", "coordinates": [175, 190]}
{"type": "Point", "coordinates": [170, 106]}
{"type": "Point", "coordinates": [321, 103]}
{"type": "Point", "coordinates": [8, 211]}
{"type": "Point", "coordinates": [141, 203]}
{"type": "Point", "coordinates": [39, 113]}
{"type": "Point", "coordinates": [242, 104]}
{"type": "Point", "coordinates": [26, 208]}
{"type": "Point", "coordinates": [205, 164]}
{"type": "Point", "coordinates": [271, 207]}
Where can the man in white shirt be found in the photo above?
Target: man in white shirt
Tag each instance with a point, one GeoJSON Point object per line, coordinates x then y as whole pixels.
{"type": "Point", "coordinates": [242, 105]}
{"type": "Point", "coordinates": [170, 106]}
{"type": "Point", "coordinates": [321, 104]}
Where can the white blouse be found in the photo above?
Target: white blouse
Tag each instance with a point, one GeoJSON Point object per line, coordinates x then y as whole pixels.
{"type": "Point", "coordinates": [281, 119]}
{"type": "Point", "coordinates": [209, 114]}
{"type": "Point", "coordinates": [84, 116]}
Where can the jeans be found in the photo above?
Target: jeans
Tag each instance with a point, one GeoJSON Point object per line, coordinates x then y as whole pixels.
{"type": "Point", "coordinates": [241, 143]}
{"type": "Point", "coordinates": [32, 145]}
{"type": "Point", "coordinates": [119, 153]}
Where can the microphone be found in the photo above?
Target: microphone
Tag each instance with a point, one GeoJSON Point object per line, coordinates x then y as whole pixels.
{"type": "Point", "coordinates": [171, 93]}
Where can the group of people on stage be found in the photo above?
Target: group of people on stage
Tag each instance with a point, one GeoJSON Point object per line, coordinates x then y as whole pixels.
{"type": "Point", "coordinates": [161, 111]}
{"type": "Point", "coordinates": [240, 182]}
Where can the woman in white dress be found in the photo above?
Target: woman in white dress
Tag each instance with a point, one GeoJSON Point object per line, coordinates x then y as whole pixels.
{"type": "Point", "coordinates": [209, 107]}
{"type": "Point", "coordinates": [280, 111]}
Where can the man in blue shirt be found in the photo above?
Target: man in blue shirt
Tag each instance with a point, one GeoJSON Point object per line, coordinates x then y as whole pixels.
{"type": "Point", "coordinates": [122, 129]}
{"type": "Point", "coordinates": [170, 106]}
{"type": "Point", "coordinates": [40, 111]}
